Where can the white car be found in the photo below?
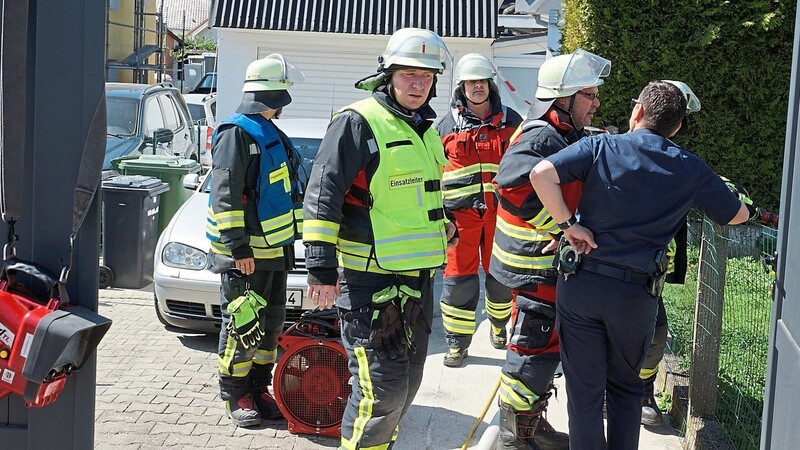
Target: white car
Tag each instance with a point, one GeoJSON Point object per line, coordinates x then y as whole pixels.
{"type": "Point", "coordinates": [203, 109]}
{"type": "Point", "coordinates": [186, 292]}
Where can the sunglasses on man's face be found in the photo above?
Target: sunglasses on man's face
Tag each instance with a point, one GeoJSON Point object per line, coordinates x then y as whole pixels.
{"type": "Point", "coordinates": [590, 95]}
{"type": "Point", "coordinates": [634, 102]}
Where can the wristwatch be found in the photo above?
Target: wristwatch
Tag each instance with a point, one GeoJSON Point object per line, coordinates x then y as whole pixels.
{"type": "Point", "coordinates": [569, 222]}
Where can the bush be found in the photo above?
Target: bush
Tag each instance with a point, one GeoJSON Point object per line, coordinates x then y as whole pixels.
{"type": "Point", "coordinates": [736, 55]}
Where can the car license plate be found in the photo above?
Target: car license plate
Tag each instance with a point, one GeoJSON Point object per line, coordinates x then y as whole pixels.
{"type": "Point", "coordinates": [294, 299]}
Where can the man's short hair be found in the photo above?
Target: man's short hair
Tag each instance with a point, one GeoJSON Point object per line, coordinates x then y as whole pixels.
{"type": "Point", "coordinates": [664, 107]}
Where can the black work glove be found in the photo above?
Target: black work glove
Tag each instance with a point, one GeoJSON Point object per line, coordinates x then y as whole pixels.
{"type": "Point", "coordinates": [387, 335]}
{"type": "Point", "coordinates": [413, 315]}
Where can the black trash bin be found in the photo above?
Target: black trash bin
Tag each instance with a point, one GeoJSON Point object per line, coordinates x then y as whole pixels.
{"type": "Point", "coordinates": [130, 229]}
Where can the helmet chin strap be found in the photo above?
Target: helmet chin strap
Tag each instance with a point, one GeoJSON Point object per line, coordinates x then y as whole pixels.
{"type": "Point", "coordinates": [480, 103]}
{"type": "Point", "coordinates": [568, 112]}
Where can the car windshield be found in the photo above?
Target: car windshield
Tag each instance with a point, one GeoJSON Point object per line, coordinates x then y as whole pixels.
{"type": "Point", "coordinates": [307, 148]}
{"type": "Point", "coordinates": [198, 112]}
{"type": "Point", "coordinates": [208, 81]}
{"type": "Point", "coordinates": [122, 116]}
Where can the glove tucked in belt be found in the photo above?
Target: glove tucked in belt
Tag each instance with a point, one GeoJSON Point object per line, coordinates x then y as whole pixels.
{"type": "Point", "coordinates": [413, 315]}
{"type": "Point", "coordinates": [387, 334]}
{"type": "Point", "coordinates": [397, 310]}
{"type": "Point", "coordinates": [245, 325]}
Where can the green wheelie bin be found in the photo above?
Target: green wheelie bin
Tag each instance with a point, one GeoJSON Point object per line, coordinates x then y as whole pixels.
{"type": "Point", "coordinates": [170, 170]}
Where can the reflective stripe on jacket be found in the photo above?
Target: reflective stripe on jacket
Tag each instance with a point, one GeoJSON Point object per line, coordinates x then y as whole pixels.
{"type": "Point", "coordinates": [524, 227]}
{"type": "Point", "coordinates": [474, 148]}
{"type": "Point", "coordinates": [406, 213]}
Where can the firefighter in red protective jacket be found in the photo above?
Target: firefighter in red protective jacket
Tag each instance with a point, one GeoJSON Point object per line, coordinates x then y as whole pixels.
{"type": "Point", "coordinates": [522, 257]}
{"type": "Point", "coordinates": [475, 135]}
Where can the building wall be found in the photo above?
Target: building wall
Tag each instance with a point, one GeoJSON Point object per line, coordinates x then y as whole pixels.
{"type": "Point", "coordinates": [120, 39]}
{"type": "Point", "coordinates": [331, 62]}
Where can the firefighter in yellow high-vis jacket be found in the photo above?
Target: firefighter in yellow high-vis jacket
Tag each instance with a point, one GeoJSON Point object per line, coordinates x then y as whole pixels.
{"type": "Point", "coordinates": [374, 210]}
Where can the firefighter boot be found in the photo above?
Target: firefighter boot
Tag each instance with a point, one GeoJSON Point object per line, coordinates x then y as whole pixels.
{"type": "Point", "coordinates": [266, 404]}
{"type": "Point", "coordinates": [516, 429]}
{"type": "Point", "coordinates": [455, 357]}
{"type": "Point", "coordinates": [520, 430]}
{"type": "Point", "coordinates": [242, 412]}
{"type": "Point", "coordinates": [498, 337]}
{"type": "Point", "coordinates": [547, 438]}
{"type": "Point", "coordinates": [651, 413]}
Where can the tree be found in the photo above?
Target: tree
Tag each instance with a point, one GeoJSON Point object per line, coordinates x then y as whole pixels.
{"type": "Point", "coordinates": [194, 46]}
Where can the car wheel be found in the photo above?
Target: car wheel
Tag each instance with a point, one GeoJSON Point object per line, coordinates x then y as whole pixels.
{"type": "Point", "coordinates": [158, 313]}
{"type": "Point", "coordinates": [106, 277]}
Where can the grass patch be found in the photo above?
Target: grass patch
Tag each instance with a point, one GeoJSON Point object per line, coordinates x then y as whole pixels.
{"type": "Point", "coordinates": [744, 342]}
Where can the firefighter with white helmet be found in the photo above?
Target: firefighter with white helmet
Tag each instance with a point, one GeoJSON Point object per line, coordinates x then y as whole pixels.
{"type": "Point", "coordinates": [638, 188]}
{"type": "Point", "coordinates": [475, 134]}
{"type": "Point", "coordinates": [676, 274]}
{"type": "Point", "coordinates": [254, 217]}
{"type": "Point", "coordinates": [373, 208]}
{"type": "Point", "coordinates": [522, 259]}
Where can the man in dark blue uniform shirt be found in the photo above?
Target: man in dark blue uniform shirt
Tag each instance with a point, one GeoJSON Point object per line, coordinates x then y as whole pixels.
{"type": "Point", "coordinates": [638, 188]}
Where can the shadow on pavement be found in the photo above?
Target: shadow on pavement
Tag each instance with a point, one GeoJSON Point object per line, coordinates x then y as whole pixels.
{"type": "Point", "coordinates": [417, 432]}
{"type": "Point", "coordinates": [203, 342]}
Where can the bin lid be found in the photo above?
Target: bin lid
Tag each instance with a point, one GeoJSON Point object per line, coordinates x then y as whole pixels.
{"type": "Point", "coordinates": [136, 182]}
{"type": "Point", "coordinates": [161, 162]}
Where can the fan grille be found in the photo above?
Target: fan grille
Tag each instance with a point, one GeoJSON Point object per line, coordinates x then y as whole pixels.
{"type": "Point", "coordinates": [314, 385]}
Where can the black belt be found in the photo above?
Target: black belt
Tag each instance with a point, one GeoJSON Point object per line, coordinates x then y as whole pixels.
{"type": "Point", "coordinates": [619, 273]}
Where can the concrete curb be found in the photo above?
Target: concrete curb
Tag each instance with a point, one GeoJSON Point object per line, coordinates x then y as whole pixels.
{"type": "Point", "coordinates": [489, 437]}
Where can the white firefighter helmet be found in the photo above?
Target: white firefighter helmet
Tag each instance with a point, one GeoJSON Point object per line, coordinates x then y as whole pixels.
{"type": "Point", "coordinates": [415, 47]}
{"type": "Point", "coordinates": [271, 73]}
{"type": "Point", "coordinates": [564, 75]}
{"type": "Point", "coordinates": [266, 84]}
{"type": "Point", "coordinates": [474, 66]}
{"type": "Point", "coordinates": [692, 102]}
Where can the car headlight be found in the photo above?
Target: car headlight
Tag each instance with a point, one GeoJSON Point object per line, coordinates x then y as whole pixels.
{"type": "Point", "coordinates": [184, 257]}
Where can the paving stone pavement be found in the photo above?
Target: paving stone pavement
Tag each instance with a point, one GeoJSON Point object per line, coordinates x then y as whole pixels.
{"type": "Point", "coordinates": [157, 389]}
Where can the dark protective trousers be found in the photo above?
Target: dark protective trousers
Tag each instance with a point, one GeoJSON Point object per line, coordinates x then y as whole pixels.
{"type": "Point", "coordinates": [383, 388]}
{"type": "Point", "coordinates": [533, 352]}
{"type": "Point", "coordinates": [243, 371]}
{"type": "Point", "coordinates": [461, 284]}
{"type": "Point", "coordinates": [605, 326]}
{"type": "Point", "coordinates": [655, 353]}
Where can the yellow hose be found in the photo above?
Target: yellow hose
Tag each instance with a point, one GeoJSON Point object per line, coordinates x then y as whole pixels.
{"type": "Point", "coordinates": [483, 413]}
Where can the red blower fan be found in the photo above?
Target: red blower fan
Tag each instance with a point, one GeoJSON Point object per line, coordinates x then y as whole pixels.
{"type": "Point", "coordinates": [312, 381]}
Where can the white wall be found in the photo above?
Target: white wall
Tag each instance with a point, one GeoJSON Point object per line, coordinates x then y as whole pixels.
{"type": "Point", "coordinates": [331, 62]}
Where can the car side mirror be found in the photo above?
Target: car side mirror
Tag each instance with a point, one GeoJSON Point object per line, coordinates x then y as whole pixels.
{"type": "Point", "coordinates": [191, 181]}
{"type": "Point", "coordinates": [160, 136]}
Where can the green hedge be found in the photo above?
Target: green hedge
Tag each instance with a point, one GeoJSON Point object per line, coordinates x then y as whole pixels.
{"type": "Point", "coordinates": [736, 55]}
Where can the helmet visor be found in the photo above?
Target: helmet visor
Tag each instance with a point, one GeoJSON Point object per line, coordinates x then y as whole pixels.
{"type": "Point", "coordinates": [291, 74]}
{"type": "Point", "coordinates": [692, 103]}
{"type": "Point", "coordinates": [287, 73]}
{"type": "Point", "coordinates": [584, 70]}
{"type": "Point", "coordinates": [426, 52]}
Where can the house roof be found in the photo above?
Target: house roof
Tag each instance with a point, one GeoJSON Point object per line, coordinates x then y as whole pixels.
{"type": "Point", "coordinates": [449, 18]}
{"type": "Point", "coordinates": [196, 12]}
